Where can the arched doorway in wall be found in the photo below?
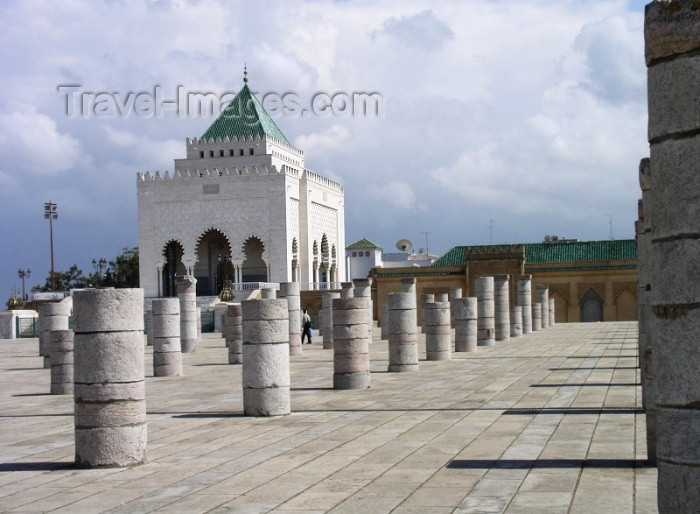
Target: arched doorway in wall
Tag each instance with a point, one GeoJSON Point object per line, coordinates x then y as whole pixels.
{"type": "Point", "coordinates": [591, 306]}
{"type": "Point", "coordinates": [254, 268]}
{"type": "Point", "coordinates": [213, 262]}
{"type": "Point", "coordinates": [172, 252]}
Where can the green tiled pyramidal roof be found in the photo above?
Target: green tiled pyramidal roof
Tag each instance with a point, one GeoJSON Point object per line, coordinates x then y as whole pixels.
{"type": "Point", "coordinates": [244, 118]}
{"type": "Point", "coordinates": [575, 251]}
{"type": "Point", "coordinates": [362, 244]}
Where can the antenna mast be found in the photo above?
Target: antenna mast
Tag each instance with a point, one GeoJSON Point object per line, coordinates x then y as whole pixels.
{"type": "Point", "coordinates": [427, 248]}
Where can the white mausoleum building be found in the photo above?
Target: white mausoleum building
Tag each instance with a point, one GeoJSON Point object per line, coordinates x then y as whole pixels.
{"type": "Point", "coordinates": [242, 207]}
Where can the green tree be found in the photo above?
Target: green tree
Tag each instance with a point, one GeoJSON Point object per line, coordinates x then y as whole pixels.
{"type": "Point", "coordinates": [123, 271]}
{"type": "Point", "coordinates": [65, 280]}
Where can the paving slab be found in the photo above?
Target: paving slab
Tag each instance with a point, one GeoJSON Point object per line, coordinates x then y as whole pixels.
{"type": "Point", "coordinates": [546, 422]}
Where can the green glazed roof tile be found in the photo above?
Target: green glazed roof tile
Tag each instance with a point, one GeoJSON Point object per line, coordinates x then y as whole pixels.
{"type": "Point", "coordinates": [244, 118]}
{"type": "Point", "coordinates": [362, 244]}
{"type": "Point", "coordinates": [540, 253]}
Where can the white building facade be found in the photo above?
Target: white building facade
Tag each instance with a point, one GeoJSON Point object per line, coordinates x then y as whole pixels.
{"type": "Point", "coordinates": [241, 207]}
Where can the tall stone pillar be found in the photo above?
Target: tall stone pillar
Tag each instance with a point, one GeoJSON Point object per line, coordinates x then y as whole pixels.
{"type": "Point", "coordinates": [401, 328]}
{"type": "Point", "coordinates": [438, 334]}
{"type": "Point", "coordinates": [327, 306]}
{"type": "Point", "coordinates": [543, 300]}
{"type": "Point", "coordinates": [536, 317]}
{"type": "Point", "coordinates": [501, 300]}
{"type": "Point", "coordinates": [672, 51]}
{"type": "Point", "coordinates": [266, 380]}
{"type": "Point", "coordinates": [52, 316]}
{"type": "Point", "coordinates": [465, 313]}
{"type": "Point", "coordinates": [424, 300]}
{"type": "Point", "coordinates": [292, 292]}
{"type": "Point", "coordinates": [61, 361]}
{"type": "Point", "coordinates": [167, 354]}
{"type": "Point", "coordinates": [187, 294]}
{"type": "Point", "coordinates": [525, 301]}
{"type": "Point", "coordinates": [109, 391]}
{"type": "Point", "coordinates": [455, 294]}
{"type": "Point", "coordinates": [516, 321]}
{"type": "Point", "coordinates": [486, 325]}
{"type": "Point", "coordinates": [219, 315]}
{"type": "Point", "coordinates": [233, 333]}
{"type": "Point", "coordinates": [350, 344]}
{"type": "Point", "coordinates": [363, 289]}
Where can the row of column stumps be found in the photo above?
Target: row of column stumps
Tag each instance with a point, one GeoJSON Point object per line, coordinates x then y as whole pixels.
{"type": "Point", "coordinates": [189, 327]}
{"type": "Point", "coordinates": [401, 323]}
{"type": "Point", "coordinates": [167, 353]}
{"type": "Point", "coordinates": [670, 246]}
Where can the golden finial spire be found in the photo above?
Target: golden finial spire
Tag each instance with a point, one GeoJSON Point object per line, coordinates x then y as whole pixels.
{"type": "Point", "coordinates": [245, 73]}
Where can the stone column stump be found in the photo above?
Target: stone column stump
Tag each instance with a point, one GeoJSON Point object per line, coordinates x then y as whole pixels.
{"type": "Point", "coordinates": [543, 299]}
{"type": "Point", "coordinates": [347, 290]}
{"type": "Point", "coordinates": [401, 327]}
{"type": "Point", "coordinates": [455, 294]}
{"type": "Point", "coordinates": [109, 390]}
{"type": "Point", "coordinates": [61, 361]}
{"type": "Point", "coordinates": [189, 325]}
{"type": "Point", "coordinates": [363, 289]}
{"type": "Point", "coordinates": [501, 300]}
{"type": "Point", "coordinates": [536, 317]}
{"type": "Point", "coordinates": [516, 321]}
{"type": "Point", "coordinates": [167, 354]}
{"type": "Point", "coordinates": [551, 312]}
{"type": "Point", "coordinates": [233, 332]}
{"type": "Point", "coordinates": [292, 291]}
{"type": "Point", "coordinates": [424, 300]}
{"type": "Point", "coordinates": [52, 316]}
{"type": "Point", "coordinates": [466, 315]}
{"type": "Point", "coordinates": [266, 380]}
{"type": "Point", "coordinates": [350, 344]}
{"type": "Point", "coordinates": [525, 301]}
{"type": "Point", "coordinates": [438, 334]}
{"type": "Point", "coordinates": [384, 332]}
{"type": "Point", "coordinates": [327, 306]}
{"type": "Point", "coordinates": [486, 324]}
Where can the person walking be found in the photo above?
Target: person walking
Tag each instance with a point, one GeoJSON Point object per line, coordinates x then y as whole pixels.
{"type": "Point", "coordinates": [306, 327]}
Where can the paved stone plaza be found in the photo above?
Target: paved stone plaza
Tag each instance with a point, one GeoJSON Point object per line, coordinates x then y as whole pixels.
{"type": "Point", "coordinates": [546, 422]}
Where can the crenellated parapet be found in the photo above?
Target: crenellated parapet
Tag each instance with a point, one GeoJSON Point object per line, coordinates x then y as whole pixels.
{"type": "Point", "coordinates": [321, 180]}
{"type": "Point", "coordinates": [206, 173]}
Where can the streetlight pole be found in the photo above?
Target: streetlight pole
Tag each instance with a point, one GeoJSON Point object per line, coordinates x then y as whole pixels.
{"type": "Point", "coordinates": [51, 213]}
{"type": "Point", "coordinates": [24, 273]}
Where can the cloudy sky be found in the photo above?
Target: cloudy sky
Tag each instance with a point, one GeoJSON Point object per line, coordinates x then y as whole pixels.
{"type": "Point", "coordinates": [530, 113]}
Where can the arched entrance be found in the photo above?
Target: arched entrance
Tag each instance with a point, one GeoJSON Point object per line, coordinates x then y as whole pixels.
{"type": "Point", "coordinates": [172, 252]}
{"type": "Point", "coordinates": [254, 268]}
{"type": "Point", "coordinates": [591, 306]}
{"type": "Point", "coordinates": [213, 262]}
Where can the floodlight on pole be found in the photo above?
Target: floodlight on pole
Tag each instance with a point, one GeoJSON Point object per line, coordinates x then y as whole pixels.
{"type": "Point", "coordinates": [51, 213]}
